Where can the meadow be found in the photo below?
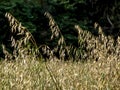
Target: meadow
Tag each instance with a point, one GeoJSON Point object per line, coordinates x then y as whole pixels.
{"type": "Point", "coordinates": [27, 74]}
{"type": "Point", "coordinates": [94, 65]}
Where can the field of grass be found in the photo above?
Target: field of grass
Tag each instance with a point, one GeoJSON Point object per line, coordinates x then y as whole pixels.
{"type": "Point", "coordinates": [26, 74]}
{"type": "Point", "coordinates": [99, 71]}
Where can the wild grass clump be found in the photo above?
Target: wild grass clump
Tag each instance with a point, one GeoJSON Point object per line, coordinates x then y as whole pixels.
{"type": "Point", "coordinates": [90, 47]}
{"type": "Point", "coordinates": [63, 51]}
{"type": "Point", "coordinates": [99, 47]}
{"type": "Point", "coordinates": [22, 41]}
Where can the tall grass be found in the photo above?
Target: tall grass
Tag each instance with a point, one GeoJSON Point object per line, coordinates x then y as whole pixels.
{"type": "Point", "coordinates": [33, 75]}
{"type": "Point", "coordinates": [27, 71]}
{"type": "Point", "coordinates": [90, 47]}
{"type": "Point", "coordinates": [99, 47]}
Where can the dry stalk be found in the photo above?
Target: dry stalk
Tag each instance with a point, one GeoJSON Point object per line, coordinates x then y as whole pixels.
{"type": "Point", "coordinates": [56, 33]}
{"type": "Point", "coordinates": [58, 87]}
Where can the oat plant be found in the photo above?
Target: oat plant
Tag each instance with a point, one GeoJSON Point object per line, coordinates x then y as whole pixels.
{"type": "Point", "coordinates": [56, 33]}
{"type": "Point", "coordinates": [99, 47]}
{"type": "Point", "coordinates": [22, 41]}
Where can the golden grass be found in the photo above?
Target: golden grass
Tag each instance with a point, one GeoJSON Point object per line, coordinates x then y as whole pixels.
{"type": "Point", "coordinates": [28, 72]}
{"type": "Point", "coordinates": [57, 75]}
{"type": "Point", "coordinates": [90, 47]}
